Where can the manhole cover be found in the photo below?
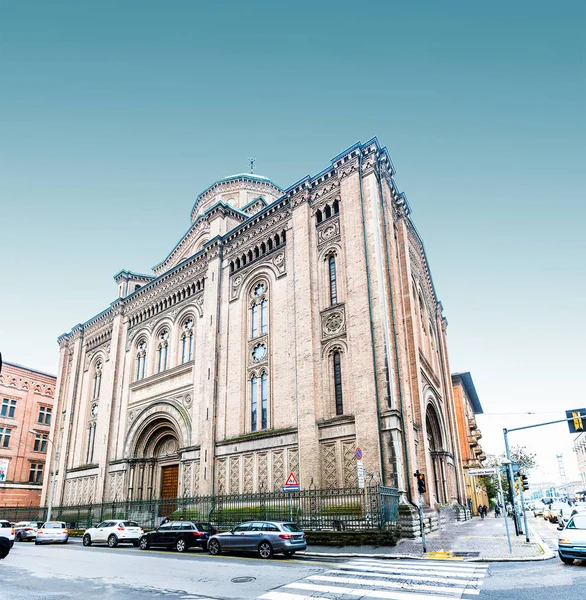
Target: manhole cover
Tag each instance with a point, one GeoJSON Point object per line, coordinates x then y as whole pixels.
{"type": "Point", "coordinates": [242, 579]}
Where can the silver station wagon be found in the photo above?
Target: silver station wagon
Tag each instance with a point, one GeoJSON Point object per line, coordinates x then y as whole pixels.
{"type": "Point", "coordinates": [265, 537]}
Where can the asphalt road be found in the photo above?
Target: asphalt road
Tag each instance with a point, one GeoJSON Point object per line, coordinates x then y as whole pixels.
{"type": "Point", "coordinates": [73, 572]}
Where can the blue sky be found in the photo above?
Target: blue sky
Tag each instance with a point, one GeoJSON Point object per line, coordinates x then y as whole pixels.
{"type": "Point", "coordinates": [116, 114]}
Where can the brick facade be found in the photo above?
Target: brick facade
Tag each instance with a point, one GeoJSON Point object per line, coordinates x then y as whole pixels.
{"type": "Point", "coordinates": [23, 393]}
{"type": "Point", "coordinates": [315, 327]}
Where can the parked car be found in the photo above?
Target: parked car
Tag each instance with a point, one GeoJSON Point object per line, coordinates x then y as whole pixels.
{"type": "Point", "coordinates": [7, 531]}
{"type": "Point", "coordinates": [572, 539]}
{"type": "Point", "coordinates": [265, 537]}
{"type": "Point", "coordinates": [538, 510]}
{"type": "Point", "coordinates": [567, 514]}
{"type": "Point", "coordinates": [25, 531]}
{"type": "Point", "coordinates": [113, 533]}
{"type": "Point", "coordinates": [180, 535]}
{"type": "Point", "coordinates": [52, 531]}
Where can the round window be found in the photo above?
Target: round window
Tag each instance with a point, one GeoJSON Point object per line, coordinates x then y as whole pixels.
{"type": "Point", "coordinates": [259, 352]}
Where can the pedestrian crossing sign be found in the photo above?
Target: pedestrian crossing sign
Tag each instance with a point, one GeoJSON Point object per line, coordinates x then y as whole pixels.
{"type": "Point", "coordinates": [291, 485]}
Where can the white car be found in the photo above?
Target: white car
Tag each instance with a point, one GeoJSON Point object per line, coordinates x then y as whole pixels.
{"type": "Point", "coordinates": [7, 531]}
{"type": "Point", "coordinates": [113, 533]}
{"type": "Point", "coordinates": [572, 540]}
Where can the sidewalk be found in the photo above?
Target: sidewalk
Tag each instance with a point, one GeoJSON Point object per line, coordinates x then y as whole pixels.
{"type": "Point", "coordinates": [474, 540]}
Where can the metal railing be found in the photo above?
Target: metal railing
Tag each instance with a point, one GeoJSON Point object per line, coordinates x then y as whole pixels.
{"type": "Point", "coordinates": [353, 509]}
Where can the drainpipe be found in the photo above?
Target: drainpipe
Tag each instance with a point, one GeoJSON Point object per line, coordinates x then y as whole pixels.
{"type": "Point", "coordinates": [393, 319]}
{"type": "Point", "coordinates": [216, 363]}
{"type": "Point", "coordinates": [368, 286]}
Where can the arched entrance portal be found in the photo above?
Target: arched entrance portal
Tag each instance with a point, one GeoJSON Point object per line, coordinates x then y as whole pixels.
{"type": "Point", "coordinates": [437, 453]}
{"type": "Point", "coordinates": [154, 468]}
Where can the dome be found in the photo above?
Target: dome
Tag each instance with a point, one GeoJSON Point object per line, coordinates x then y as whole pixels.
{"type": "Point", "coordinates": [237, 190]}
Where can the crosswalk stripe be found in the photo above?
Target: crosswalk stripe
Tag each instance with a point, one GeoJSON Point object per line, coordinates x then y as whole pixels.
{"type": "Point", "coordinates": [328, 589]}
{"type": "Point", "coordinates": [396, 585]}
{"type": "Point", "coordinates": [408, 569]}
{"type": "Point", "coordinates": [284, 596]}
{"type": "Point", "coordinates": [418, 563]}
{"type": "Point", "coordinates": [402, 575]}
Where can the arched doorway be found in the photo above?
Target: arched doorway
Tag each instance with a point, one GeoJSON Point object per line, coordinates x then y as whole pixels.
{"type": "Point", "coordinates": [437, 454]}
{"type": "Point", "coordinates": [154, 466]}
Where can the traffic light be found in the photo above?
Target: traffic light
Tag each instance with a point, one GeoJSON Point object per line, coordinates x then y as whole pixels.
{"type": "Point", "coordinates": [420, 482]}
{"type": "Point", "coordinates": [516, 486]}
{"type": "Point", "coordinates": [524, 482]}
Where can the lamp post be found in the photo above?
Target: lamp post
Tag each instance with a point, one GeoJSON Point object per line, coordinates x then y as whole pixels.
{"type": "Point", "coordinates": [53, 476]}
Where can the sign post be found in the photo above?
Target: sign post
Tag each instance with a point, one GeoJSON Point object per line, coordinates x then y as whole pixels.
{"type": "Point", "coordinates": [291, 485]}
{"type": "Point", "coordinates": [360, 470]}
{"type": "Point", "coordinates": [503, 507]}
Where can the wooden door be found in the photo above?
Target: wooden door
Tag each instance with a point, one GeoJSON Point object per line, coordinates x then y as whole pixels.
{"type": "Point", "coordinates": [169, 487]}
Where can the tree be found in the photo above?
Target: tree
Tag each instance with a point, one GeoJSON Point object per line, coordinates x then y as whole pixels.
{"type": "Point", "coordinates": [519, 454]}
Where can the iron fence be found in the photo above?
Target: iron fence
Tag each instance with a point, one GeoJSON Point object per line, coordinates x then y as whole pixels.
{"type": "Point", "coordinates": [372, 508]}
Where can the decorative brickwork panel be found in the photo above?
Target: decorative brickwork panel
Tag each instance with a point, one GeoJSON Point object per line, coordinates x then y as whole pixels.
{"type": "Point", "coordinates": [221, 476]}
{"type": "Point", "coordinates": [187, 483]}
{"type": "Point", "coordinates": [235, 475]}
{"type": "Point", "coordinates": [263, 472]}
{"type": "Point", "coordinates": [278, 470]}
{"type": "Point", "coordinates": [329, 466]}
{"type": "Point", "coordinates": [349, 464]}
{"type": "Point", "coordinates": [293, 461]}
{"type": "Point", "coordinates": [248, 473]}
{"type": "Point", "coordinates": [196, 477]}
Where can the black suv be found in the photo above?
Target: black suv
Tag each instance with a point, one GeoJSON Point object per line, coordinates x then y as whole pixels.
{"type": "Point", "coordinates": [180, 535]}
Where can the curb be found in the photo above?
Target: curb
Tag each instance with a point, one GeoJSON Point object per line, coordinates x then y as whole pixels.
{"type": "Point", "coordinates": [547, 551]}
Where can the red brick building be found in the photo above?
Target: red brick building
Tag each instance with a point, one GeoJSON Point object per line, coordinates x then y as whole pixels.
{"type": "Point", "coordinates": [26, 403]}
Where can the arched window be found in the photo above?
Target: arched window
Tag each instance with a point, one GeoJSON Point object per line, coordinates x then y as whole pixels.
{"type": "Point", "coordinates": [187, 341]}
{"type": "Point", "coordinates": [97, 380]}
{"type": "Point", "coordinates": [264, 400]}
{"type": "Point", "coordinates": [333, 281]}
{"type": "Point", "coordinates": [338, 383]}
{"type": "Point", "coordinates": [318, 217]}
{"type": "Point", "coordinates": [259, 399]}
{"type": "Point", "coordinates": [328, 211]}
{"type": "Point", "coordinates": [264, 316]}
{"type": "Point", "coordinates": [141, 360]}
{"type": "Point", "coordinates": [260, 311]}
{"type": "Point", "coordinates": [422, 313]}
{"type": "Point", "coordinates": [253, 402]}
{"type": "Point", "coordinates": [336, 206]}
{"type": "Point", "coordinates": [163, 350]}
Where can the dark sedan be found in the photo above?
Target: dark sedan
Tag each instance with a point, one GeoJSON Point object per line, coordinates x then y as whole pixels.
{"type": "Point", "coordinates": [180, 535]}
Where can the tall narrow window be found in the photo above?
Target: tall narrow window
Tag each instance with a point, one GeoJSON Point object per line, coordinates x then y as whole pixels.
{"type": "Point", "coordinates": [97, 380]}
{"type": "Point", "coordinates": [5, 436]}
{"type": "Point", "coordinates": [141, 361]}
{"type": "Point", "coordinates": [255, 310]}
{"type": "Point", "coordinates": [264, 318]}
{"type": "Point", "coordinates": [253, 403]}
{"type": "Point", "coordinates": [89, 443]}
{"type": "Point", "coordinates": [264, 401]}
{"type": "Point", "coordinates": [333, 282]}
{"type": "Point", "coordinates": [40, 443]}
{"type": "Point", "coordinates": [44, 415]}
{"type": "Point", "coordinates": [187, 341]}
{"type": "Point", "coordinates": [163, 350]}
{"type": "Point", "coordinates": [91, 460]}
{"type": "Point", "coordinates": [338, 384]}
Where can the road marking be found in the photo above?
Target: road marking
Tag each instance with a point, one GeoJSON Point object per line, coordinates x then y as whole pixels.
{"type": "Point", "coordinates": [366, 593]}
{"type": "Point", "coordinates": [403, 575]}
{"type": "Point", "coordinates": [459, 567]}
{"type": "Point", "coordinates": [413, 569]}
{"type": "Point", "coordinates": [396, 585]}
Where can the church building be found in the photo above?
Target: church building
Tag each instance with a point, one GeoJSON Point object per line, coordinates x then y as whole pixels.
{"type": "Point", "coordinates": [285, 329]}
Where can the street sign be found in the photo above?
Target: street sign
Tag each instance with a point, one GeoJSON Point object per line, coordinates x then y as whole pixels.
{"type": "Point", "coordinates": [361, 473]}
{"type": "Point", "coordinates": [358, 454]}
{"type": "Point", "coordinates": [291, 485]}
{"type": "Point", "coordinates": [482, 472]}
{"type": "Point", "coordinates": [576, 420]}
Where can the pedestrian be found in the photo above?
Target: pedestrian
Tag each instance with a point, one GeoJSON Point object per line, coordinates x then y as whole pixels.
{"type": "Point", "coordinates": [497, 511]}
{"type": "Point", "coordinates": [481, 511]}
{"type": "Point", "coordinates": [165, 520]}
{"type": "Point", "coordinates": [181, 519]}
